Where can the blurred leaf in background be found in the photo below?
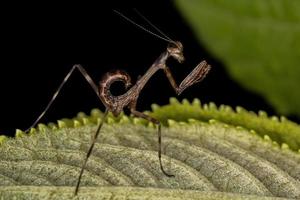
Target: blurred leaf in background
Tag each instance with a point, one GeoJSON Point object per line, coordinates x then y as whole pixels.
{"type": "Point", "coordinates": [258, 41]}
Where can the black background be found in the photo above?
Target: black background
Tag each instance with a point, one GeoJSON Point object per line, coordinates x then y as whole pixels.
{"type": "Point", "coordinates": [41, 43]}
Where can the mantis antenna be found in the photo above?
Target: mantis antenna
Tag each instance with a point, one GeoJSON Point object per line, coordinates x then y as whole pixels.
{"type": "Point", "coordinates": [167, 39]}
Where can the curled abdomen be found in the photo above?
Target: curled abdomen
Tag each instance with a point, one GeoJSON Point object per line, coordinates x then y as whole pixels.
{"type": "Point", "coordinates": [114, 103]}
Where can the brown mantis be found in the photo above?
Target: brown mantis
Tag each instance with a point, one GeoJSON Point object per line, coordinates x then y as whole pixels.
{"type": "Point", "coordinates": [116, 104]}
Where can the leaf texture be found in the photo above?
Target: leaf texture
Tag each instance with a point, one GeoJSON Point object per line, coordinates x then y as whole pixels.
{"type": "Point", "coordinates": [114, 193]}
{"type": "Point", "coordinates": [209, 160]}
{"type": "Point", "coordinates": [280, 130]}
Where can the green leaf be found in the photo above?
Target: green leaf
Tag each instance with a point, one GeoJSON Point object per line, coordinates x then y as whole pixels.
{"type": "Point", "coordinates": [258, 41]}
{"type": "Point", "coordinates": [209, 160]}
{"type": "Point", "coordinates": [280, 130]}
{"type": "Point", "coordinates": [104, 193]}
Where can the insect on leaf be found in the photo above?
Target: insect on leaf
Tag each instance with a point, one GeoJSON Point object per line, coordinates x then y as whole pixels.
{"type": "Point", "coordinates": [210, 160]}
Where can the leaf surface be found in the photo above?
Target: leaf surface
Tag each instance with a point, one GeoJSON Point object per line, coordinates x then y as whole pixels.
{"type": "Point", "coordinates": [258, 41]}
{"type": "Point", "coordinates": [209, 160]}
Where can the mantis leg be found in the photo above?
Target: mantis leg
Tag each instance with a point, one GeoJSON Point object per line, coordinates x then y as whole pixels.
{"type": "Point", "coordinates": [94, 139]}
{"type": "Point", "coordinates": [83, 73]}
{"type": "Point", "coordinates": [197, 75]}
{"type": "Point", "coordinates": [155, 121]}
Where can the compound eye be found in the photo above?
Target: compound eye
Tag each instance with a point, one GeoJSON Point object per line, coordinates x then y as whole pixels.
{"type": "Point", "coordinates": [175, 45]}
{"type": "Point", "coordinates": [179, 45]}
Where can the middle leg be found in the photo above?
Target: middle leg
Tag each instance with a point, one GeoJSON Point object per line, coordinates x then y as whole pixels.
{"type": "Point", "coordinates": [155, 121]}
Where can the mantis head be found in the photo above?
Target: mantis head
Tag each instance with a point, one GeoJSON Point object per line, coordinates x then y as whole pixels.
{"type": "Point", "coordinates": [175, 49]}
